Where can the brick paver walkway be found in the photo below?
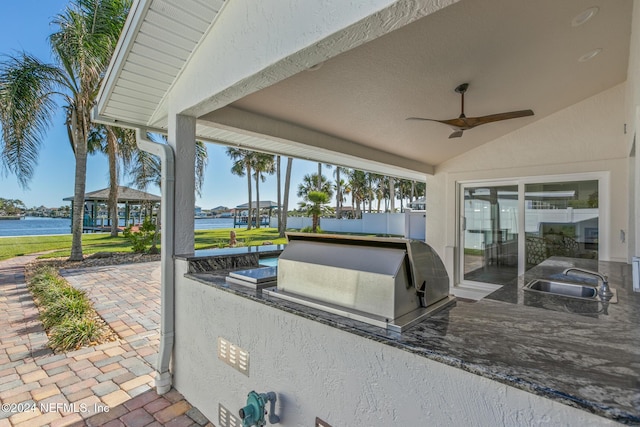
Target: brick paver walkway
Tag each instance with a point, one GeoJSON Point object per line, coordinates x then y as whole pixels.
{"type": "Point", "coordinates": [106, 385]}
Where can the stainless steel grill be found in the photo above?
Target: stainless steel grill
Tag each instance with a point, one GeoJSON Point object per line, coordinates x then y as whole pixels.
{"type": "Point", "coordinates": [387, 282]}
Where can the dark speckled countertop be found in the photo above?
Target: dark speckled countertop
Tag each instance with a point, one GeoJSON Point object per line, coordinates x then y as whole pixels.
{"type": "Point", "coordinates": [589, 360]}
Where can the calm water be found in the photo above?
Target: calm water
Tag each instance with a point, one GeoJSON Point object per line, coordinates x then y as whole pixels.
{"type": "Point", "coordinates": [32, 226]}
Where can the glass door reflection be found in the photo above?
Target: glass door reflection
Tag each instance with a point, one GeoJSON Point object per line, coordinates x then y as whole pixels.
{"type": "Point", "coordinates": [490, 237]}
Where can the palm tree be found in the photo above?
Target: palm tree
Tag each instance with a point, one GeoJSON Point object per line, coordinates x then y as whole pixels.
{"type": "Point", "coordinates": [282, 226]}
{"type": "Point", "coordinates": [359, 188]}
{"type": "Point", "coordinates": [242, 165]}
{"type": "Point", "coordinates": [262, 163]}
{"type": "Point", "coordinates": [144, 168]}
{"type": "Point", "coordinates": [404, 186]}
{"type": "Point", "coordinates": [340, 184]}
{"type": "Point", "coordinates": [377, 188]}
{"type": "Point", "coordinates": [310, 183]}
{"type": "Point", "coordinates": [392, 194]}
{"type": "Point", "coordinates": [119, 145]}
{"type": "Point", "coordinates": [316, 206]}
{"type": "Point", "coordinates": [319, 174]}
{"type": "Point", "coordinates": [86, 35]}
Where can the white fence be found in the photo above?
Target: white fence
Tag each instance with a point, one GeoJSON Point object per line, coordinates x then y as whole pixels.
{"type": "Point", "coordinates": [411, 224]}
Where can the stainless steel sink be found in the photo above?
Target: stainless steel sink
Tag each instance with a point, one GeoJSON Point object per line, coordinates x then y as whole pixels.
{"type": "Point", "coordinates": [567, 289]}
{"type": "Point", "coordinates": [573, 290]}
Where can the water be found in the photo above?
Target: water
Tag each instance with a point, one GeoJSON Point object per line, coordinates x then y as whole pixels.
{"type": "Point", "coordinates": [34, 226]}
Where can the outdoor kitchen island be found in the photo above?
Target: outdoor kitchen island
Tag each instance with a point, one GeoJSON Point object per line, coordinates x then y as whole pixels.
{"type": "Point", "coordinates": [491, 362]}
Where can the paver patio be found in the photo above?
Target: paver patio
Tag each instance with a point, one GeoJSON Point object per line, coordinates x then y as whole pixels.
{"type": "Point", "coordinates": [106, 385]}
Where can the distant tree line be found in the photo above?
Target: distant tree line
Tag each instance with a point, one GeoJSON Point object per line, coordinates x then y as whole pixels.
{"type": "Point", "coordinates": [362, 188]}
{"type": "Point", "coordinates": [11, 207]}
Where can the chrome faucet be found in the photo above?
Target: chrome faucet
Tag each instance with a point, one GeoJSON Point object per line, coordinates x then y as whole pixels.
{"type": "Point", "coordinates": [604, 291]}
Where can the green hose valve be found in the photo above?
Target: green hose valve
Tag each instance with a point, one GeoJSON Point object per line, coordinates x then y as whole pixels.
{"type": "Point", "coordinates": [255, 410]}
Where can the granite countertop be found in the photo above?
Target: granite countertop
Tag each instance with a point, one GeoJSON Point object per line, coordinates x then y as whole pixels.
{"type": "Point", "coordinates": [586, 357]}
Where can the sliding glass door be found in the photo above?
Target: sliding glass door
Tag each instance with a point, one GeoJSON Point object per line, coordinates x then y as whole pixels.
{"type": "Point", "coordinates": [508, 228]}
{"type": "Point", "coordinates": [490, 236]}
{"type": "Point", "coordinates": [561, 220]}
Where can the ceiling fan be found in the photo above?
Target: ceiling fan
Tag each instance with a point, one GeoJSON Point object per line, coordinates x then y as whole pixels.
{"type": "Point", "coordinates": [462, 122]}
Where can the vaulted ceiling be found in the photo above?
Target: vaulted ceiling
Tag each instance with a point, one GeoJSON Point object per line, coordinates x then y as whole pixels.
{"type": "Point", "coordinates": [515, 54]}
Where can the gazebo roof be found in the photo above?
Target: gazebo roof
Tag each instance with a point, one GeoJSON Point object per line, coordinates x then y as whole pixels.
{"type": "Point", "coordinates": [263, 204]}
{"type": "Point", "coordinates": [125, 194]}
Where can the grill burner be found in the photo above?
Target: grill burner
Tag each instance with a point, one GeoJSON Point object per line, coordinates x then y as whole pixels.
{"type": "Point", "coordinates": [387, 282]}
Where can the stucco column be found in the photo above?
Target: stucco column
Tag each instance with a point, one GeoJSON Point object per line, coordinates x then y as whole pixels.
{"type": "Point", "coordinates": [182, 137]}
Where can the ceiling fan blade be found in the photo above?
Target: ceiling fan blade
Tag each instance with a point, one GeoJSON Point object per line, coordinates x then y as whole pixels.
{"type": "Point", "coordinates": [458, 123]}
{"type": "Point", "coordinates": [462, 122]}
{"type": "Point", "coordinates": [477, 121]}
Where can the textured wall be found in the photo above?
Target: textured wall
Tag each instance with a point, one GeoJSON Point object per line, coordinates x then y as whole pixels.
{"type": "Point", "coordinates": [346, 380]}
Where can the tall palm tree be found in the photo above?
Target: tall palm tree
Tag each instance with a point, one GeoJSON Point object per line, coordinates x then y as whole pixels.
{"type": "Point", "coordinates": [392, 194]}
{"type": "Point", "coordinates": [262, 163]}
{"type": "Point", "coordinates": [242, 166]}
{"type": "Point", "coordinates": [359, 188]}
{"type": "Point", "coordinates": [339, 185]}
{"type": "Point", "coordinates": [85, 37]}
{"type": "Point", "coordinates": [319, 175]}
{"type": "Point", "coordinates": [119, 145]}
{"type": "Point", "coordinates": [377, 189]}
{"type": "Point", "coordinates": [282, 227]}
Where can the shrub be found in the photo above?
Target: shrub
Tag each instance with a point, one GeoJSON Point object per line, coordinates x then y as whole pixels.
{"type": "Point", "coordinates": [63, 308]}
{"type": "Point", "coordinates": [144, 239]}
{"type": "Point", "coordinates": [66, 312]}
{"type": "Point", "coordinates": [74, 333]}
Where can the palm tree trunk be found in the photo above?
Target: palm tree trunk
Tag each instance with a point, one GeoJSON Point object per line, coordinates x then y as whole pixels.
{"type": "Point", "coordinates": [80, 143]}
{"type": "Point", "coordinates": [278, 166]}
{"type": "Point", "coordinates": [392, 194]}
{"type": "Point", "coordinates": [112, 150]}
{"type": "Point", "coordinates": [338, 192]}
{"type": "Point", "coordinates": [249, 206]}
{"type": "Point", "coordinates": [258, 218]}
{"type": "Point", "coordinates": [285, 204]}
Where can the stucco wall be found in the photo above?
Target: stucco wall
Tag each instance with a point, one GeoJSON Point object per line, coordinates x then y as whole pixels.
{"type": "Point", "coordinates": [586, 137]}
{"type": "Point", "coordinates": [344, 379]}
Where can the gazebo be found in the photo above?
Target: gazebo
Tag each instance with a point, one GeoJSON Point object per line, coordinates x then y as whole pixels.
{"type": "Point", "coordinates": [239, 219]}
{"type": "Point", "coordinates": [93, 221]}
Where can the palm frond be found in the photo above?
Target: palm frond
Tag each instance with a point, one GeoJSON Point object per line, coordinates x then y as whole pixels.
{"type": "Point", "coordinates": [202, 159]}
{"type": "Point", "coordinates": [27, 106]}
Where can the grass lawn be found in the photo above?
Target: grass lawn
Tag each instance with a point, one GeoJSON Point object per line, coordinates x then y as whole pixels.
{"type": "Point", "coordinates": [92, 243]}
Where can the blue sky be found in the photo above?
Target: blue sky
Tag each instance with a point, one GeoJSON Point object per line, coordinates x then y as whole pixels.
{"type": "Point", "coordinates": [25, 25]}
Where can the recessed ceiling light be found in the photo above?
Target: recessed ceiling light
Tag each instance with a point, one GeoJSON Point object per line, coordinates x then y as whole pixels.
{"type": "Point", "coordinates": [583, 17]}
{"type": "Point", "coordinates": [589, 55]}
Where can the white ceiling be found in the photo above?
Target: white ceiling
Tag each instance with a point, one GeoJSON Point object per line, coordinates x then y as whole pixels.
{"type": "Point", "coordinates": [515, 55]}
{"type": "Point", "coordinates": [351, 110]}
